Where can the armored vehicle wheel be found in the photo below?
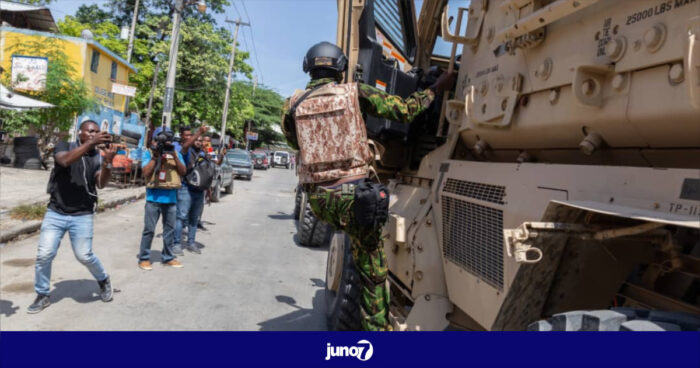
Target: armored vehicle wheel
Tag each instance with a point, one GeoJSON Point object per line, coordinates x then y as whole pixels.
{"type": "Point", "coordinates": [297, 200]}
{"type": "Point", "coordinates": [342, 287]}
{"type": "Point", "coordinates": [618, 319]}
{"type": "Point", "coordinates": [312, 232]}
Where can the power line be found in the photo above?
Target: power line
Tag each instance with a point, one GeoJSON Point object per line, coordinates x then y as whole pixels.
{"type": "Point", "coordinates": [252, 38]}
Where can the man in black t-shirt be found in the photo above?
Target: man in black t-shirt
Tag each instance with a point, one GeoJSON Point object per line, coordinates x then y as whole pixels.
{"type": "Point", "coordinates": [78, 172]}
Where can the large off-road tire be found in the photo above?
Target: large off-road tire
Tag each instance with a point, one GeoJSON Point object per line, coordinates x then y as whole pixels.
{"type": "Point", "coordinates": [229, 188]}
{"type": "Point", "coordinates": [342, 287]}
{"type": "Point", "coordinates": [299, 193]}
{"type": "Point", "coordinates": [312, 232]}
{"type": "Point", "coordinates": [618, 319]}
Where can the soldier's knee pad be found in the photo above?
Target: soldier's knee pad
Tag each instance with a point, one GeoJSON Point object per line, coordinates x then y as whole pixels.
{"type": "Point", "coordinates": [371, 205]}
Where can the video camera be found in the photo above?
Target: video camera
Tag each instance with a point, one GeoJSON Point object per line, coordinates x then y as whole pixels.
{"type": "Point", "coordinates": [164, 141]}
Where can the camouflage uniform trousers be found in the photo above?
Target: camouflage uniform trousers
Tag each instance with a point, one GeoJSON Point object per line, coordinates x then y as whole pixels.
{"type": "Point", "coordinates": [334, 206]}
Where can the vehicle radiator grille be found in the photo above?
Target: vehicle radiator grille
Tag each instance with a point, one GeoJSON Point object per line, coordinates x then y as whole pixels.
{"type": "Point", "coordinates": [484, 192]}
{"type": "Point", "coordinates": [473, 238]}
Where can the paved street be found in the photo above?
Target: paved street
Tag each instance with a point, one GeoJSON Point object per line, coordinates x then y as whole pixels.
{"type": "Point", "coordinates": [251, 274]}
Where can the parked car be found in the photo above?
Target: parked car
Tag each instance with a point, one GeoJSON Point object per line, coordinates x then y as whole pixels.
{"type": "Point", "coordinates": [281, 158]}
{"type": "Point", "coordinates": [223, 179]}
{"type": "Point", "coordinates": [260, 160]}
{"type": "Point", "coordinates": [239, 160]}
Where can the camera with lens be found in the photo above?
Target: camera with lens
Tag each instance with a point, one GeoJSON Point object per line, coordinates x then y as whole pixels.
{"type": "Point", "coordinates": [113, 138]}
{"type": "Point", "coordinates": [164, 142]}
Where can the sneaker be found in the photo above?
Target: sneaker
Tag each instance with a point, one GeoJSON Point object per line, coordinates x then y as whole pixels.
{"type": "Point", "coordinates": [198, 245]}
{"type": "Point", "coordinates": [145, 265]}
{"type": "Point", "coordinates": [173, 263]}
{"type": "Point", "coordinates": [193, 249]}
{"type": "Point", "coordinates": [40, 303]}
{"type": "Point", "coordinates": [177, 250]}
{"type": "Point", "coordinates": [201, 227]}
{"type": "Point", "coordinates": [105, 290]}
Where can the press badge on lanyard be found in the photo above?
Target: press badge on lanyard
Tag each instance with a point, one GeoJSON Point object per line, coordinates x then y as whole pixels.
{"type": "Point", "coordinates": [161, 174]}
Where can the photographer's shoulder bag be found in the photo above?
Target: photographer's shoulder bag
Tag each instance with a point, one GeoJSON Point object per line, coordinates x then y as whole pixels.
{"type": "Point", "coordinates": [165, 174]}
{"type": "Point", "coordinates": [331, 133]}
{"type": "Point", "coordinates": [200, 172]}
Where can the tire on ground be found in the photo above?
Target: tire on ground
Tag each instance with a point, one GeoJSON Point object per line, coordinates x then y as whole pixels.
{"type": "Point", "coordinates": [312, 232]}
{"type": "Point", "coordinates": [343, 306]}
{"type": "Point", "coordinates": [618, 319]}
{"type": "Point", "coordinates": [229, 188]}
{"type": "Point", "coordinates": [297, 201]}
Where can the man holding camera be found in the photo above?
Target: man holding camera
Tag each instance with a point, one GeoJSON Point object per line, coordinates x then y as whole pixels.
{"type": "Point", "coordinates": [79, 170]}
{"type": "Point", "coordinates": [163, 168]}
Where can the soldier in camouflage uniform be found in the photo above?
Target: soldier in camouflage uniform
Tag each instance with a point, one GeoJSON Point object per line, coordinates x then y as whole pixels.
{"type": "Point", "coordinates": [330, 193]}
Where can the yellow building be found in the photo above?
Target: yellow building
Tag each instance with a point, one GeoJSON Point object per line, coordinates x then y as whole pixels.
{"type": "Point", "coordinates": [100, 68]}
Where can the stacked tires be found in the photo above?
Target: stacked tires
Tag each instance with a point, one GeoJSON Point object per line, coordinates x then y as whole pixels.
{"type": "Point", "coordinates": [311, 232]}
{"type": "Point", "coordinates": [26, 153]}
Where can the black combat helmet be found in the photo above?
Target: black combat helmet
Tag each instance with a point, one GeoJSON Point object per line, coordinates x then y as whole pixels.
{"type": "Point", "coordinates": [325, 55]}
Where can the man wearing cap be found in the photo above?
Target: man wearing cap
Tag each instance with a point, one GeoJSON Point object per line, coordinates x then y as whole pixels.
{"type": "Point", "coordinates": [163, 169]}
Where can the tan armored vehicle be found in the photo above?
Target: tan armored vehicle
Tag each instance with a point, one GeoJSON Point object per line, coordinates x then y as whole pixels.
{"type": "Point", "coordinates": [558, 187]}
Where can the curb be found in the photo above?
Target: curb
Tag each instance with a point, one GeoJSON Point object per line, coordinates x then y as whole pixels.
{"type": "Point", "coordinates": [35, 225]}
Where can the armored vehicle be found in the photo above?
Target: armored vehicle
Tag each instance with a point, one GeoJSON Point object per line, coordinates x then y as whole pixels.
{"type": "Point", "coordinates": [557, 187]}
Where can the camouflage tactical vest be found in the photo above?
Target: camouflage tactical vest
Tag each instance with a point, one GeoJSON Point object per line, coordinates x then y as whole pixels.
{"type": "Point", "coordinates": [331, 134]}
{"type": "Point", "coordinates": [172, 178]}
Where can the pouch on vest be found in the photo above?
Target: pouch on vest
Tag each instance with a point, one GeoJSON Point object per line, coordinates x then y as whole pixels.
{"type": "Point", "coordinates": [166, 176]}
{"type": "Point", "coordinates": [371, 206]}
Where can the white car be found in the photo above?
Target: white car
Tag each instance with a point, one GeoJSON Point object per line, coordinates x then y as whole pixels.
{"type": "Point", "coordinates": [280, 158]}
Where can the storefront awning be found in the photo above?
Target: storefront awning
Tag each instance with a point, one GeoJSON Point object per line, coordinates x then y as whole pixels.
{"type": "Point", "coordinates": [10, 100]}
{"type": "Point", "coordinates": [34, 17]}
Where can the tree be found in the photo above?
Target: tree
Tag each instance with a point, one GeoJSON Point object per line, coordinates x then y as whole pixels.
{"type": "Point", "coordinates": [267, 107]}
{"type": "Point", "coordinates": [202, 59]}
{"type": "Point", "coordinates": [63, 89]}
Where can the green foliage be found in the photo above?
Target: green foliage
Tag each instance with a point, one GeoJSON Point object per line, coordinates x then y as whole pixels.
{"type": "Point", "coordinates": [203, 59]}
{"type": "Point", "coordinates": [68, 94]}
{"type": "Point", "coordinates": [28, 212]}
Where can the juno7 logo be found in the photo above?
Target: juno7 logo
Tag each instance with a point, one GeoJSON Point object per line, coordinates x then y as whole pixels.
{"type": "Point", "coordinates": [363, 351]}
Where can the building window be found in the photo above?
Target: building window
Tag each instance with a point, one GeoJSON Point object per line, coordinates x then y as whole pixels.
{"type": "Point", "coordinates": [113, 74]}
{"type": "Point", "coordinates": [95, 62]}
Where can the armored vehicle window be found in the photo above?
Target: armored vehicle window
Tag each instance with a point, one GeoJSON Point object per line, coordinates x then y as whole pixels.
{"type": "Point", "coordinates": [392, 17]}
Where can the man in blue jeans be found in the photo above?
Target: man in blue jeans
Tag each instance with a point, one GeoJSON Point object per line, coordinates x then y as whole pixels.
{"type": "Point", "coordinates": [162, 169]}
{"type": "Point", "coordinates": [184, 201]}
{"type": "Point", "coordinates": [79, 170]}
{"type": "Point", "coordinates": [190, 203]}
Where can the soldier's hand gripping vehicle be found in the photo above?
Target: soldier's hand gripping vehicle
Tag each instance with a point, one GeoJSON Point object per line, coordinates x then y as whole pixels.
{"type": "Point", "coordinates": [557, 188]}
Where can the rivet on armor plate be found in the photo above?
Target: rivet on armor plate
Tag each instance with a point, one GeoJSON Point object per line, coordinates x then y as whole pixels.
{"type": "Point", "coordinates": [419, 275]}
{"type": "Point", "coordinates": [675, 74]}
{"type": "Point", "coordinates": [615, 49]}
{"type": "Point", "coordinates": [553, 96]}
{"type": "Point", "coordinates": [618, 82]}
{"type": "Point", "coordinates": [654, 37]}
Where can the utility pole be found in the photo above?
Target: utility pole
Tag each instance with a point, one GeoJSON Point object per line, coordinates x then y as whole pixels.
{"type": "Point", "coordinates": [172, 57]}
{"type": "Point", "coordinates": [153, 89]}
{"type": "Point", "coordinates": [172, 66]}
{"type": "Point", "coordinates": [238, 23]}
{"type": "Point", "coordinates": [131, 34]}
